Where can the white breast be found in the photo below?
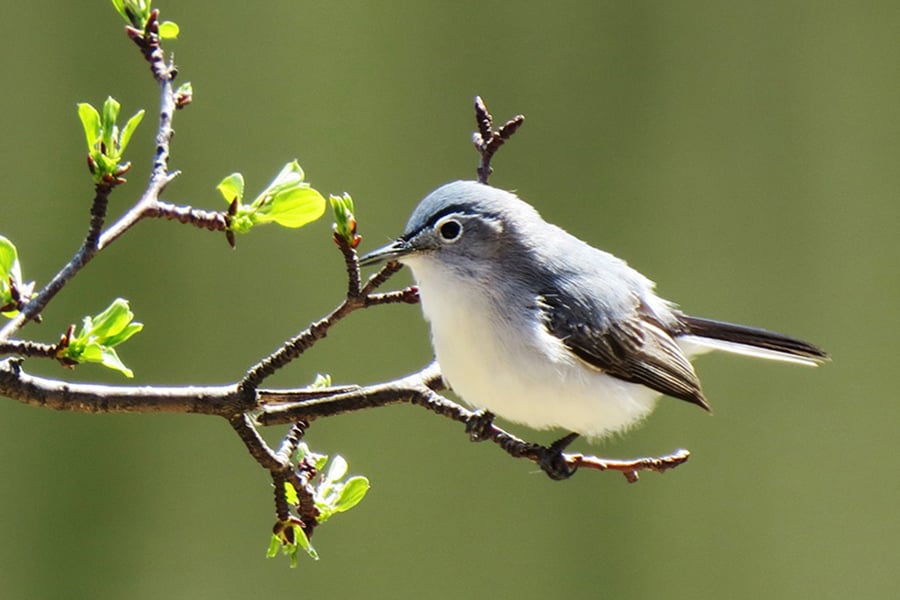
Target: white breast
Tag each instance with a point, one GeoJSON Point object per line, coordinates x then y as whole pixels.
{"type": "Point", "coordinates": [511, 366]}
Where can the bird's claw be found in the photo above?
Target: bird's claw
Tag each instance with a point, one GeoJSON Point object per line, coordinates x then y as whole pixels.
{"type": "Point", "coordinates": [479, 425]}
{"type": "Point", "coordinates": [552, 459]}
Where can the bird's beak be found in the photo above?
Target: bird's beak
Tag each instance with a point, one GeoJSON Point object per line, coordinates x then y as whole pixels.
{"type": "Point", "coordinates": [393, 251]}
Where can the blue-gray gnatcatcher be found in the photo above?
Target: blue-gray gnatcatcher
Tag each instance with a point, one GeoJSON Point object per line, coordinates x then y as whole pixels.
{"type": "Point", "coordinates": [540, 328]}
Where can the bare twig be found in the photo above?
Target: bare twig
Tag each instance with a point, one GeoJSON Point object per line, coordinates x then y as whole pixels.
{"type": "Point", "coordinates": [188, 215]}
{"type": "Point", "coordinates": [28, 348]}
{"type": "Point", "coordinates": [98, 214]}
{"type": "Point", "coordinates": [291, 440]}
{"type": "Point", "coordinates": [381, 276]}
{"type": "Point", "coordinates": [630, 468]}
{"type": "Point", "coordinates": [486, 140]}
{"type": "Point", "coordinates": [351, 263]}
{"type": "Point", "coordinates": [243, 425]}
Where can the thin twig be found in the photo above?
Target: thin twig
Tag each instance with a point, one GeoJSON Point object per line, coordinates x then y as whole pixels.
{"type": "Point", "coordinates": [98, 213]}
{"type": "Point", "coordinates": [630, 468]}
{"type": "Point", "coordinates": [408, 295]}
{"type": "Point", "coordinates": [188, 215]}
{"type": "Point", "coordinates": [291, 440]}
{"type": "Point", "coordinates": [282, 471]}
{"type": "Point", "coordinates": [380, 276]}
{"type": "Point", "coordinates": [28, 348]}
{"type": "Point", "coordinates": [351, 263]}
{"type": "Point", "coordinates": [486, 140]}
{"type": "Point", "coordinates": [258, 448]}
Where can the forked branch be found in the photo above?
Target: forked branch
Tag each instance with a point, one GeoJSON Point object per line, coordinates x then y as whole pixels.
{"type": "Point", "coordinates": [486, 140]}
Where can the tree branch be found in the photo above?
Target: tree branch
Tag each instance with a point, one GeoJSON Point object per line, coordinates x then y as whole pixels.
{"type": "Point", "coordinates": [28, 348]}
{"type": "Point", "coordinates": [486, 140]}
{"type": "Point", "coordinates": [421, 389]}
{"type": "Point", "coordinates": [188, 215]}
{"type": "Point", "coordinates": [274, 407]}
{"type": "Point", "coordinates": [94, 398]}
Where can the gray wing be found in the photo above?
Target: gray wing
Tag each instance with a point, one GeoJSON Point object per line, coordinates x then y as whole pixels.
{"type": "Point", "coordinates": [636, 348]}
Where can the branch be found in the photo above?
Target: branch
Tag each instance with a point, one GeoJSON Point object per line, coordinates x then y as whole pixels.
{"type": "Point", "coordinates": [486, 140]}
{"type": "Point", "coordinates": [188, 215]}
{"type": "Point", "coordinates": [93, 398]}
{"type": "Point", "coordinates": [28, 348]}
{"type": "Point", "coordinates": [421, 389]}
{"type": "Point", "coordinates": [274, 407]}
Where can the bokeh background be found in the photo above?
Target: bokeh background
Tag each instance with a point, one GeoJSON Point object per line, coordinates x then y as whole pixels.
{"type": "Point", "coordinates": [743, 155]}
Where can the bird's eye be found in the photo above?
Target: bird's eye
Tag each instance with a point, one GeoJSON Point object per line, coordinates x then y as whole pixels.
{"type": "Point", "coordinates": [449, 229]}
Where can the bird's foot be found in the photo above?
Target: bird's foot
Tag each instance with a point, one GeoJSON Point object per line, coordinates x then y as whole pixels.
{"type": "Point", "coordinates": [552, 460]}
{"type": "Point", "coordinates": [479, 425]}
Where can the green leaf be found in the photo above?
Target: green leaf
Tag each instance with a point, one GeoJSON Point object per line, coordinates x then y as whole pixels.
{"type": "Point", "coordinates": [320, 461]}
{"type": "Point", "coordinates": [337, 469]}
{"type": "Point", "coordinates": [321, 381]}
{"type": "Point", "coordinates": [303, 542]}
{"type": "Point", "coordinates": [11, 276]}
{"type": "Point", "coordinates": [128, 130]}
{"type": "Point", "coordinates": [288, 201]}
{"type": "Point", "coordinates": [344, 221]}
{"type": "Point", "coordinates": [111, 360]}
{"type": "Point", "coordinates": [119, 5]}
{"type": "Point", "coordinates": [140, 11]}
{"type": "Point", "coordinates": [126, 332]}
{"type": "Point", "coordinates": [232, 187]}
{"type": "Point", "coordinates": [290, 174]}
{"type": "Point", "coordinates": [108, 124]}
{"type": "Point", "coordinates": [8, 258]}
{"type": "Point", "coordinates": [354, 490]}
{"type": "Point", "coordinates": [274, 546]}
{"type": "Point", "coordinates": [90, 120]}
{"type": "Point", "coordinates": [294, 208]}
{"type": "Point", "coordinates": [89, 352]}
{"type": "Point", "coordinates": [112, 321]}
{"type": "Point", "coordinates": [290, 494]}
{"type": "Point", "coordinates": [99, 335]}
{"type": "Point", "coordinates": [168, 30]}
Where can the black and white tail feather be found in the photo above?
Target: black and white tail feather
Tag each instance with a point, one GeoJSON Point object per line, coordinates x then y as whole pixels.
{"type": "Point", "coordinates": [749, 341]}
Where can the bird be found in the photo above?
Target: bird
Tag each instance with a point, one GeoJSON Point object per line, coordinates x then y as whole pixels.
{"type": "Point", "coordinates": [534, 325]}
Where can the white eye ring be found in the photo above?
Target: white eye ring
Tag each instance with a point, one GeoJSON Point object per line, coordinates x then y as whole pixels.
{"type": "Point", "coordinates": [449, 229]}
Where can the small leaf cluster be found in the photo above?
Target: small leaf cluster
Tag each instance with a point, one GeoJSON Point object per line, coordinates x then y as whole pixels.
{"type": "Point", "coordinates": [106, 143]}
{"type": "Point", "coordinates": [98, 337]}
{"type": "Point", "coordinates": [138, 12]}
{"type": "Point", "coordinates": [344, 219]}
{"type": "Point", "coordinates": [332, 493]}
{"type": "Point", "coordinates": [288, 201]}
{"type": "Point", "coordinates": [14, 292]}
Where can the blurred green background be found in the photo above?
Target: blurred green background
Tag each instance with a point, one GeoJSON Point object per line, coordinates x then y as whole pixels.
{"type": "Point", "coordinates": [743, 155]}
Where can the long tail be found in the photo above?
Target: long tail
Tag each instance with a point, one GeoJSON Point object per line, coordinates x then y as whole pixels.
{"type": "Point", "coordinates": [750, 341]}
